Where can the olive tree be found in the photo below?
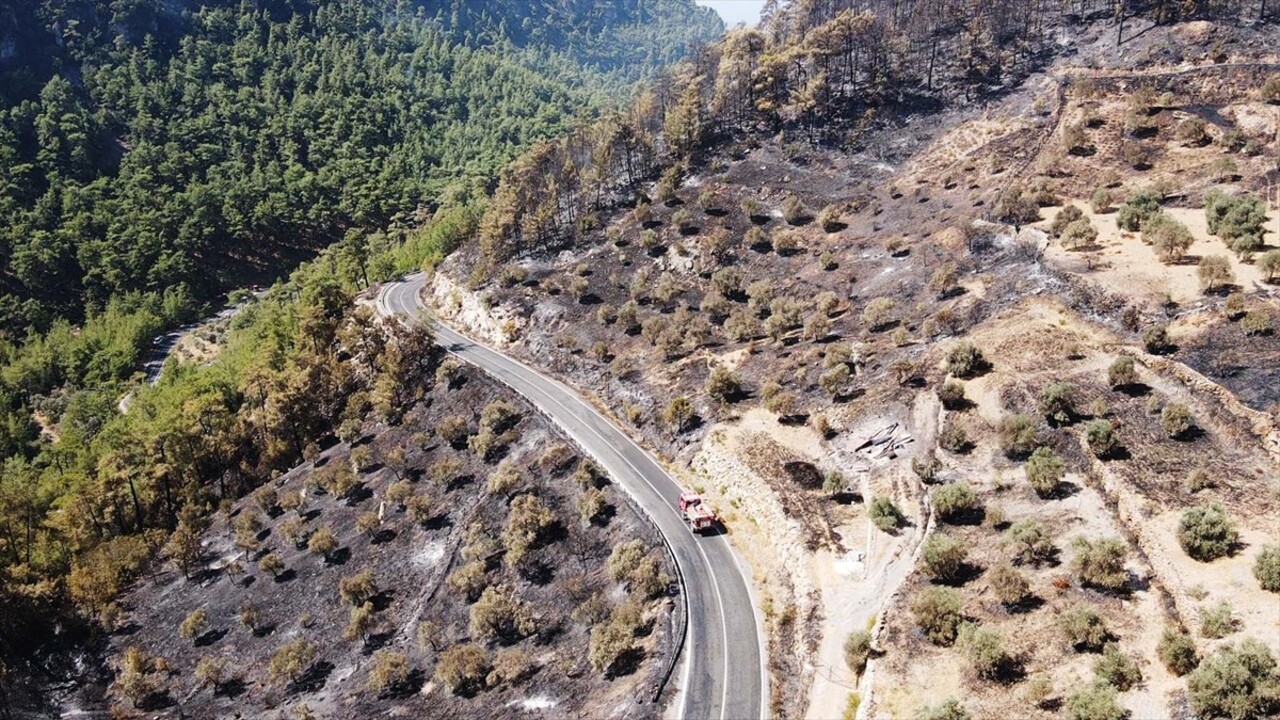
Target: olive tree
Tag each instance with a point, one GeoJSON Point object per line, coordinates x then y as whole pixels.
{"type": "Point", "coordinates": [938, 612]}
{"type": "Point", "coordinates": [1237, 682]}
{"type": "Point", "coordinates": [944, 557]}
{"type": "Point", "coordinates": [462, 668]}
{"type": "Point", "coordinates": [1206, 533]}
{"type": "Point", "coordinates": [1083, 628]}
{"type": "Point", "coordinates": [857, 648]}
{"type": "Point", "coordinates": [1267, 568]}
{"type": "Point", "coordinates": [885, 514]}
{"type": "Point", "coordinates": [1100, 563]}
{"type": "Point", "coordinates": [1029, 542]}
{"type": "Point", "coordinates": [1215, 273]}
{"type": "Point", "coordinates": [1177, 651]}
{"type": "Point", "coordinates": [953, 500]}
{"type": "Point", "coordinates": [1045, 471]}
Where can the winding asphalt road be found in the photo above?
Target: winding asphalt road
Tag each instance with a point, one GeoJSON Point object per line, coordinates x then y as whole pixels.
{"type": "Point", "coordinates": [722, 676]}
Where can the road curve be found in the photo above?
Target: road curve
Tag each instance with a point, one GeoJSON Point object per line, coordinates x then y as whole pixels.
{"type": "Point", "coordinates": [723, 673]}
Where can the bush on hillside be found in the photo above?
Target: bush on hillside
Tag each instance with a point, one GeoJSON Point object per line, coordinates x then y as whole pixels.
{"type": "Point", "coordinates": [944, 557]}
{"type": "Point", "coordinates": [938, 612]}
{"type": "Point", "coordinates": [1045, 471]}
{"type": "Point", "coordinates": [1267, 568]}
{"type": "Point", "coordinates": [1100, 563]}
{"type": "Point", "coordinates": [1237, 681]}
{"type": "Point", "coordinates": [1206, 533]}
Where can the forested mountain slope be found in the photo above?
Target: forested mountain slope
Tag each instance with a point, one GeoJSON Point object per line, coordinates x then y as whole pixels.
{"type": "Point", "coordinates": [619, 42]}
{"type": "Point", "coordinates": [154, 153]}
{"type": "Point", "coordinates": [146, 144]}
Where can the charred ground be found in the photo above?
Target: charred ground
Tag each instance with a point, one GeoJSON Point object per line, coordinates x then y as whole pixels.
{"type": "Point", "coordinates": [762, 312]}
{"type": "Point", "coordinates": [455, 512]}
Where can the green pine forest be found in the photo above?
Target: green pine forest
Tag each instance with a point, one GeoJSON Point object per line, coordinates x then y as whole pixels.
{"type": "Point", "coordinates": [156, 154]}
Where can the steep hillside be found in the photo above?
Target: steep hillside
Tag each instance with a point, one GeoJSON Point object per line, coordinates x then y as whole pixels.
{"type": "Point", "coordinates": [962, 434]}
{"type": "Point", "coordinates": [155, 154]}
{"type": "Point", "coordinates": [452, 564]}
{"type": "Point", "coordinates": [617, 43]}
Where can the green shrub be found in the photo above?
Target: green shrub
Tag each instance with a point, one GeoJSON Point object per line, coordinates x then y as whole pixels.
{"type": "Point", "coordinates": [1177, 651]}
{"type": "Point", "coordinates": [1267, 568]}
{"type": "Point", "coordinates": [1057, 403]}
{"type": "Point", "coordinates": [1121, 373]}
{"type": "Point", "coordinates": [1039, 690]}
{"type": "Point", "coordinates": [1095, 702]}
{"type": "Point", "coordinates": [1018, 435]}
{"type": "Point", "coordinates": [1197, 480]}
{"type": "Point", "coordinates": [1156, 340]}
{"type": "Point", "coordinates": [1270, 91]}
{"type": "Point", "coordinates": [836, 381]}
{"type": "Point", "coordinates": [794, 211]}
{"type": "Point", "coordinates": [1029, 542]}
{"type": "Point", "coordinates": [985, 649]}
{"type": "Point", "coordinates": [1259, 321]}
{"type": "Point", "coordinates": [951, 394]}
{"type": "Point", "coordinates": [1236, 682]}
{"type": "Point", "coordinates": [1218, 621]}
{"type": "Point", "coordinates": [1045, 471]}
{"type": "Point", "coordinates": [1137, 210]}
{"type": "Point", "coordinates": [857, 648]}
{"type": "Point", "coordinates": [1100, 563]}
{"type": "Point", "coordinates": [1191, 132]}
{"type": "Point", "coordinates": [1101, 438]}
{"type": "Point", "coordinates": [723, 385]}
{"type": "Point", "coordinates": [938, 612]}
{"type": "Point", "coordinates": [1177, 420]}
{"type": "Point", "coordinates": [1009, 585]}
{"type": "Point", "coordinates": [829, 218]}
{"type": "Point", "coordinates": [953, 500]}
{"type": "Point", "coordinates": [1117, 669]}
{"type": "Point", "coordinates": [966, 361]}
{"type": "Point", "coordinates": [885, 514]}
{"type": "Point", "coordinates": [950, 709]}
{"type": "Point", "coordinates": [1084, 628]}
{"type": "Point", "coordinates": [953, 438]}
{"type": "Point", "coordinates": [1102, 200]}
{"type": "Point", "coordinates": [944, 557]}
{"type": "Point", "coordinates": [1206, 533]}
{"type": "Point", "coordinates": [851, 705]}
